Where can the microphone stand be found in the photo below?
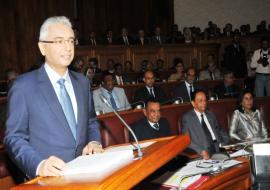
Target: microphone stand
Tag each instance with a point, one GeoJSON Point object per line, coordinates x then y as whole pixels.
{"type": "Point", "coordinates": [140, 153]}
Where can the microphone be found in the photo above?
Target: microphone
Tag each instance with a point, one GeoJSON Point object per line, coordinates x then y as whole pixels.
{"type": "Point", "coordinates": [214, 96]}
{"type": "Point", "coordinates": [176, 100]}
{"type": "Point", "coordinates": [245, 143]}
{"type": "Point", "coordinates": [138, 105]}
{"type": "Point", "coordinates": [104, 100]}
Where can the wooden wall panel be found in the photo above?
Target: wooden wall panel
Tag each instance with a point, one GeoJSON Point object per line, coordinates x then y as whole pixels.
{"type": "Point", "coordinates": [138, 54]}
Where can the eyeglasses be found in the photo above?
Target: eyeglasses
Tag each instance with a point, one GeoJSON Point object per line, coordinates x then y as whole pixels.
{"type": "Point", "coordinates": [61, 42]}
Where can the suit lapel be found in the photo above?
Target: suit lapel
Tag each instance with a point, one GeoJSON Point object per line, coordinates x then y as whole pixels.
{"type": "Point", "coordinates": [80, 105]}
{"type": "Point", "coordinates": [50, 97]}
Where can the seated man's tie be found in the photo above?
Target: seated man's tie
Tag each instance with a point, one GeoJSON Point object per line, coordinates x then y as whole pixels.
{"type": "Point", "coordinates": [113, 103]}
{"type": "Point", "coordinates": [67, 107]}
{"type": "Point", "coordinates": [156, 126]}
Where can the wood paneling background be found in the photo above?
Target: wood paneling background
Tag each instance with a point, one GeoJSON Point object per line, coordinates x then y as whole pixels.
{"type": "Point", "coordinates": [20, 21]}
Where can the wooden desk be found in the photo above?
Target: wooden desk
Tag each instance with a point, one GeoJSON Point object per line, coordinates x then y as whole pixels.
{"type": "Point", "coordinates": [154, 157]}
{"type": "Point", "coordinates": [235, 178]}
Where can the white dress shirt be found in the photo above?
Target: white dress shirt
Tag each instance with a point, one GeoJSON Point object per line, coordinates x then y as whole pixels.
{"type": "Point", "coordinates": [188, 88]}
{"type": "Point", "coordinates": [149, 90]}
{"type": "Point", "coordinates": [206, 122]}
{"type": "Point", "coordinates": [152, 125]}
{"type": "Point", "coordinates": [54, 77]}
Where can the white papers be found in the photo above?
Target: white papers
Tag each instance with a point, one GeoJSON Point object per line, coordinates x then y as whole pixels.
{"type": "Point", "coordinates": [261, 149]}
{"type": "Point", "coordinates": [100, 165]}
{"type": "Point", "coordinates": [129, 147]}
{"type": "Point", "coordinates": [238, 153]}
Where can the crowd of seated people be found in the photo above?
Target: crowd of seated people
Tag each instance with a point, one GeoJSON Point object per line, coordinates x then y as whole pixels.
{"type": "Point", "coordinates": [188, 35]}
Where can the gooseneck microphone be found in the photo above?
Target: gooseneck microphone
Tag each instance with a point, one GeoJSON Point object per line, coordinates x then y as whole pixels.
{"type": "Point", "coordinates": [176, 100]}
{"type": "Point", "coordinates": [104, 100]}
{"type": "Point", "coordinates": [139, 105]}
{"type": "Point", "coordinates": [213, 96]}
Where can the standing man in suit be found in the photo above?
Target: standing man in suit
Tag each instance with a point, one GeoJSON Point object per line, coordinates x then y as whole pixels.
{"type": "Point", "coordinates": [202, 127]}
{"type": "Point", "coordinates": [51, 118]}
{"type": "Point", "coordinates": [115, 95]}
{"type": "Point", "coordinates": [152, 125]}
{"type": "Point", "coordinates": [187, 87]}
{"type": "Point", "coordinates": [235, 58]}
{"type": "Point", "coordinates": [150, 91]}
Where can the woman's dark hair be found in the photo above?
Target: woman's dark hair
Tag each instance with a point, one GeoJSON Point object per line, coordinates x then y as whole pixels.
{"type": "Point", "coordinates": [177, 60]}
{"type": "Point", "coordinates": [241, 97]}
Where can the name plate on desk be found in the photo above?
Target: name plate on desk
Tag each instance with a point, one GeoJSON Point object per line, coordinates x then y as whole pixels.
{"type": "Point", "coordinates": [97, 166]}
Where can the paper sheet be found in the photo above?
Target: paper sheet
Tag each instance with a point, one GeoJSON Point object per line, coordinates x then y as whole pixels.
{"type": "Point", "coordinates": [99, 165]}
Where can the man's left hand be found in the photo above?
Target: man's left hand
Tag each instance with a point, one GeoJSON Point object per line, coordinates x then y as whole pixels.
{"type": "Point", "coordinates": [92, 148]}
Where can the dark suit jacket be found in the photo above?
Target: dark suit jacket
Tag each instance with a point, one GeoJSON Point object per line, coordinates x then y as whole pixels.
{"type": "Point", "coordinates": [37, 128]}
{"type": "Point", "coordinates": [155, 41]}
{"type": "Point", "coordinates": [121, 40]}
{"type": "Point", "coordinates": [124, 78]}
{"type": "Point", "coordinates": [222, 91]}
{"type": "Point", "coordinates": [144, 131]}
{"type": "Point", "coordinates": [142, 94]}
{"type": "Point", "coordinates": [235, 60]}
{"type": "Point", "coordinates": [191, 125]}
{"type": "Point", "coordinates": [138, 41]}
{"type": "Point", "coordinates": [182, 91]}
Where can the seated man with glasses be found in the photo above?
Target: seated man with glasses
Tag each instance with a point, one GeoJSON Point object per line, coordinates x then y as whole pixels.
{"type": "Point", "coordinates": [203, 128]}
{"type": "Point", "coordinates": [51, 117]}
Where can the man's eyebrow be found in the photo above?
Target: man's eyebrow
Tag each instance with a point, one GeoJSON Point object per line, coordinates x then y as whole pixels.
{"type": "Point", "coordinates": [64, 38]}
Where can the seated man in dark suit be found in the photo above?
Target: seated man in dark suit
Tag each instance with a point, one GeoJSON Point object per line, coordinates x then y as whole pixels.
{"type": "Point", "coordinates": [141, 40]}
{"type": "Point", "coordinates": [150, 91]}
{"type": "Point", "coordinates": [187, 87]}
{"type": "Point", "coordinates": [227, 89]}
{"type": "Point", "coordinates": [119, 78]}
{"type": "Point", "coordinates": [125, 39]}
{"type": "Point", "coordinates": [152, 125]}
{"type": "Point", "coordinates": [203, 128]}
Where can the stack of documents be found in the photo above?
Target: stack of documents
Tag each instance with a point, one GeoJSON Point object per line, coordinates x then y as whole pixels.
{"type": "Point", "coordinates": [100, 165]}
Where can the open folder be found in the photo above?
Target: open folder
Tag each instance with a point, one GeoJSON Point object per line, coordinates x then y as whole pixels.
{"type": "Point", "coordinates": [99, 166]}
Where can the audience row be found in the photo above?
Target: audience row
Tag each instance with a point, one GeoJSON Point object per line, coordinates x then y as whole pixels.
{"type": "Point", "coordinates": [189, 34]}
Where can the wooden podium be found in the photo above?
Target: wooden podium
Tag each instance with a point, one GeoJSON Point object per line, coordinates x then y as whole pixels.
{"type": "Point", "coordinates": [155, 156]}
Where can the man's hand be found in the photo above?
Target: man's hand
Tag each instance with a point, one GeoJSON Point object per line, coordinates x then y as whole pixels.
{"type": "Point", "coordinates": [205, 155]}
{"type": "Point", "coordinates": [92, 148]}
{"type": "Point", "coordinates": [53, 166]}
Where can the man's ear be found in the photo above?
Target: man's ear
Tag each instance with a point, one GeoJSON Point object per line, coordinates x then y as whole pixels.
{"type": "Point", "coordinates": [192, 102]}
{"type": "Point", "coordinates": [144, 112]}
{"type": "Point", "coordinates": [41, 47]}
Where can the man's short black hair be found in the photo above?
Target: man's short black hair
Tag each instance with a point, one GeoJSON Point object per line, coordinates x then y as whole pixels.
{"type": "Point", "coordinates": [151, 100]}
{"type": "Point", "coordinates": [105, 74]}
{"type": "Point", "coordinates": [195, 92]}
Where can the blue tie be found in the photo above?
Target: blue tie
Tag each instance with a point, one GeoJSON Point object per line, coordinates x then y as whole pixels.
{"type": "Point", "coordinates": [66, 104]}
{"type": "Point", "coordinates": [112, 100]}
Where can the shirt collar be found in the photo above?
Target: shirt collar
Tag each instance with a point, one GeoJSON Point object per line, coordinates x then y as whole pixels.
{"type": "Point", "coordinates": [199, 113]}
{"type": "Point", "coordinates": [152, 124]}
{"type": "Point", "coordinates": [54, 76]}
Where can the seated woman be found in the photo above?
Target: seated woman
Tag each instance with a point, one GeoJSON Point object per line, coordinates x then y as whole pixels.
{"type": "Point", "coordinates": [179, 67]}
{"type": "Point", "coordinates": [247, 122]}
